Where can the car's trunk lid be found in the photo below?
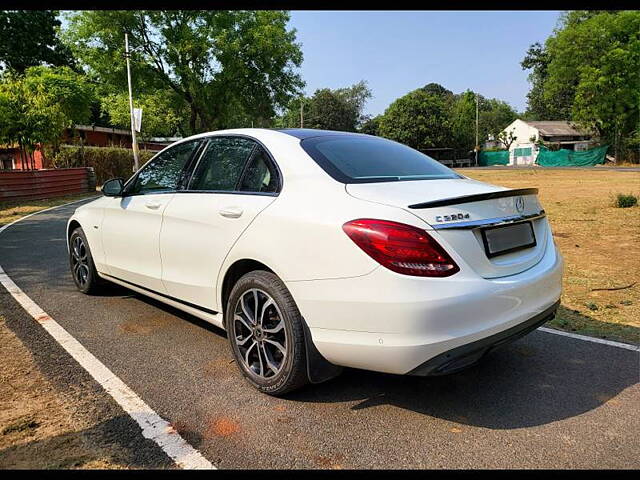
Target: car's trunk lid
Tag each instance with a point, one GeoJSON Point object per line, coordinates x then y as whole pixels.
{"type": "Point", "coordinates": [459, 210]}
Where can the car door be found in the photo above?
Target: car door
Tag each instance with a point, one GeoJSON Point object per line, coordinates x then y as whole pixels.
{"type": "Point", "coordinates": [233, 181]}
{"type": "Point", "coordinates": [131, 224]}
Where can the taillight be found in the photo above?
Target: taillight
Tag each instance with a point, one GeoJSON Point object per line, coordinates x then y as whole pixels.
{"type": "Point", "coordinates": [401, 248]}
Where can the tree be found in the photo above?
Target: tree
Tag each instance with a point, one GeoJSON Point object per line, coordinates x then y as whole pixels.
{"type": "Point", "coordinates": [463, 121]}
{"type": "Point", "coordinates": [495, 115]}
{"type": "Point", "coordinates": [327, 109]}
{"type": "Point", "coordinates": [227, 67]}
{"type": "Point", "coordinates": [37, 106]}
{"type": "Point", "coordinates": [607, 97]}
{"type": "Point", "coordinates": [339, 109]}
{"type": "Point", "coordinates": [371, 126]}
{"type": "Point", "coordinates": [29, 38]}
{"type": "Point", "coordinates": [506, 138]}
{"type": "Point", "coordinates": [438, 90]}
{"type": "Point", "coordinates": [588, 72]}
{"type": "Point", "coordinates": [541, 106]}
{"type": "Point", "coordinates": [419, 120]}
{"type": "Point", "coordinates": [160, 115]}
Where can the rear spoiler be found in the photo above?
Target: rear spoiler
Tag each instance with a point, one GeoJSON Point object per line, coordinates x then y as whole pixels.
{"type": "Point", "coordinates": [476, 198]}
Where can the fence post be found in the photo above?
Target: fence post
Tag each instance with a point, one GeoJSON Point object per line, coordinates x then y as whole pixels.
{"type": "Point", "coordinates": [91, 179]}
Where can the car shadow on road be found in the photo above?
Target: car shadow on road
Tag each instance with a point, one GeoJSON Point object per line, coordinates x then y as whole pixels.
{"type": "Point", "coordinates": [539, 379]}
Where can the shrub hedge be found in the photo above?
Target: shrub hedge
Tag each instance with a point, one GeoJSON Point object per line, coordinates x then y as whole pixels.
{"type": "Point", "coordinates": [108, 162]}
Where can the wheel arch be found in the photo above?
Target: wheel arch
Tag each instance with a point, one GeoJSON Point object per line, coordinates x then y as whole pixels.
{"type": "Point", "coordinates": [233, 273]}
{"type": "Point", "coordinates": [319, 369]}
{"type": "Point", "coordinates": [71, 226]}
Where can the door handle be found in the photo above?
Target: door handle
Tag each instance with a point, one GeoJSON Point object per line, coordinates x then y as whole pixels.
{"type": "Point", "coordinates": [153, 205]}
{"type": "Point", "coordinates": [231, 212]}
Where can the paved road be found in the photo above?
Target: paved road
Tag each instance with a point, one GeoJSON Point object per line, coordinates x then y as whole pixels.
{"type": "Point", "coordinates": [545, 401]}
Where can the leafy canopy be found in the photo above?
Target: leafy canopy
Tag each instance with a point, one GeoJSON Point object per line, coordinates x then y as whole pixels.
{"type": "Point", "coordinates": [28, 38]}
{"type": "Point", "coordinates": [226, 67]}
{"type": "Point", "coordinates": [339, 109]}
{"type": "Point", "coordinates": [160, 117]}
{"type": "Point", "coordinates": [588, 71]}
{"type": "Point", "coordinates": [432, 117]}
{"type": "Point", "coordinates": [37, 106]}
{"type": "Point", "coordinates": [419, 119]}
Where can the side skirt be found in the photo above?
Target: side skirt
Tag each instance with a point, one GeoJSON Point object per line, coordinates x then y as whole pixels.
{"type": "Point", "coordinates": [215, 318]}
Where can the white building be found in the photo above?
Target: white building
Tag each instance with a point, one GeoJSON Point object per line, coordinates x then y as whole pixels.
{"type": "Point", "coordinates": [563, 134]}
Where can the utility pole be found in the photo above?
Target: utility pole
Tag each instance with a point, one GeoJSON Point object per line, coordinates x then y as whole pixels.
{"type": "Point", "coordinates": [477, 146]}
{"type": "Point", "coordinates": [302, 112]}
{"type": "Point", "coordinates": [136, 162]}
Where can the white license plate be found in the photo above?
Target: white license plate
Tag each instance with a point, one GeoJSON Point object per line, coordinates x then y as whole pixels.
{"type": "Point", "coordinates": [508, 238]}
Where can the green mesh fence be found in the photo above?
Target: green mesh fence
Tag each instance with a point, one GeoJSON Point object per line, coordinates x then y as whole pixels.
{"type": "Point", "coordinates": [493, 158]}
{"type": "Point", "coordinates": [569, 158]}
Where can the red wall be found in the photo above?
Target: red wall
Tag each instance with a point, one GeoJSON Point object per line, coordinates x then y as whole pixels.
{"type": "Point", "coordinates": [15, 154]}
{"type": "Point", "coordinates": [98, 139]}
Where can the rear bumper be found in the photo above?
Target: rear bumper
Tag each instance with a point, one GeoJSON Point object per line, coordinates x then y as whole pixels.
{"type": "Point", "coordinates": [466, 355]}
{"type": "Point", "coordinates": [393, 323]}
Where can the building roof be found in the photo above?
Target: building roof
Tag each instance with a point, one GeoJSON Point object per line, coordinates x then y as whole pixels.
{"type": "Point", "coordinates": [558, 128]}
{"type": "Point", "coordinates": [91, 128]}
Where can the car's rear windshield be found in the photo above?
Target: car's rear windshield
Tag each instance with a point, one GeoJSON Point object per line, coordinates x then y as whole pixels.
{"type": "Point", "coordinates": [365, 159]}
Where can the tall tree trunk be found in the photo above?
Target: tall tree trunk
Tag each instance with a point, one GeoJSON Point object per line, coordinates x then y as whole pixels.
{"type": "Point", "coordinates": [192, 119]}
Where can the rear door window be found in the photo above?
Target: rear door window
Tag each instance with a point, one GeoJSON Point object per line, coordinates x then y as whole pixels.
{"type": "Point", "coordinates": [222, 164]}
{"type": "Point", "coordinates": [260, 176]}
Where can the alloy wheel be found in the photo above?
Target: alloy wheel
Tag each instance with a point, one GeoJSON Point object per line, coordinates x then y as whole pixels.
{"type": "Point", "coordinates": [260, 333]}
{"type": "Point", "coordinates": [79, 261]}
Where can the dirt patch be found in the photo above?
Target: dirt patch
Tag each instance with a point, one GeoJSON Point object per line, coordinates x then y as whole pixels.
{"type": "Point", "coordinates": [142, 326]}
{"type": "Point", "coordinates": [332, 461]}
{"type": "Point", "coordinates": [38, 428]}
{"type": "Point", "coordinates": [600, 244]}
{"type": "Point", "coordinates": [222, 427]}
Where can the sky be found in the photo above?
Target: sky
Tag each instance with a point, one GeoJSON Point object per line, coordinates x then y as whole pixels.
{"type": "Point", "coordinates": [397, 52]}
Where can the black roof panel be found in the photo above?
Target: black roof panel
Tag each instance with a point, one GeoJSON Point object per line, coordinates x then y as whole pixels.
{"type": "Point", "coordinates": [303, 133]}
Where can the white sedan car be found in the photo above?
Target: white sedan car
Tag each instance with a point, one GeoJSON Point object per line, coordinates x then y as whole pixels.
{"type": "Point", "coordinates": [317, 250]}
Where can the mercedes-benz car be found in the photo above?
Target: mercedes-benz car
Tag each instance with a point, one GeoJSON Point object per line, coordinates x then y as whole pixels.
{"type": "Point", "coordinates": [317, 250]}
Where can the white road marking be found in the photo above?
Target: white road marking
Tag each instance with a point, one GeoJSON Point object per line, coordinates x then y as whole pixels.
{"type": "Point", "coordinates": [153, 426]}
{"type": "Point", "coordinates": [611, 343]}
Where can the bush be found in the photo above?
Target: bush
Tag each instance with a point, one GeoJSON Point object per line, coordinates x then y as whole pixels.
{"type": "Point", "coordinates": [108, 162]}
{"type": "Point", "coordinates": [625, 201]}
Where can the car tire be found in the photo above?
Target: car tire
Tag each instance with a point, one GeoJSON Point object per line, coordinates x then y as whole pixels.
{"type": "Point", "coordinates": [270, 368]}
{"type": "Point", "coordinates": [83, 270]}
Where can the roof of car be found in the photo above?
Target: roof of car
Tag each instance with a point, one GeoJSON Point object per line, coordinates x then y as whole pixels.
{"type": "Point", "coordinates": [303, 133]}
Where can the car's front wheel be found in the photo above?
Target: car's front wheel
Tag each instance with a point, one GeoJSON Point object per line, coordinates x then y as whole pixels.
{"type": "Point", "coordinates": [266, 334]}
{"type": "Point", "coordinates": [81, 263]}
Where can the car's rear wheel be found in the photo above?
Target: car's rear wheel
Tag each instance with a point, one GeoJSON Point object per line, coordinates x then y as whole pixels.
{"type": "Point", "coordinates": [266, 334]}
{"type": "Point", "coordinates": [83, 269]}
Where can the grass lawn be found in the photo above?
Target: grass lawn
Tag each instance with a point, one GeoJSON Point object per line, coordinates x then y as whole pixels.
{"type": "Point", "coordinates": [11, 211]}
{"type": "Point", "coordinates": [600, 245]}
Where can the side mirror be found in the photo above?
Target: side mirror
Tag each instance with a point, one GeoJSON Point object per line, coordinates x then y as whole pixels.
{"type": "Point", "coordinates": [113, 187]}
